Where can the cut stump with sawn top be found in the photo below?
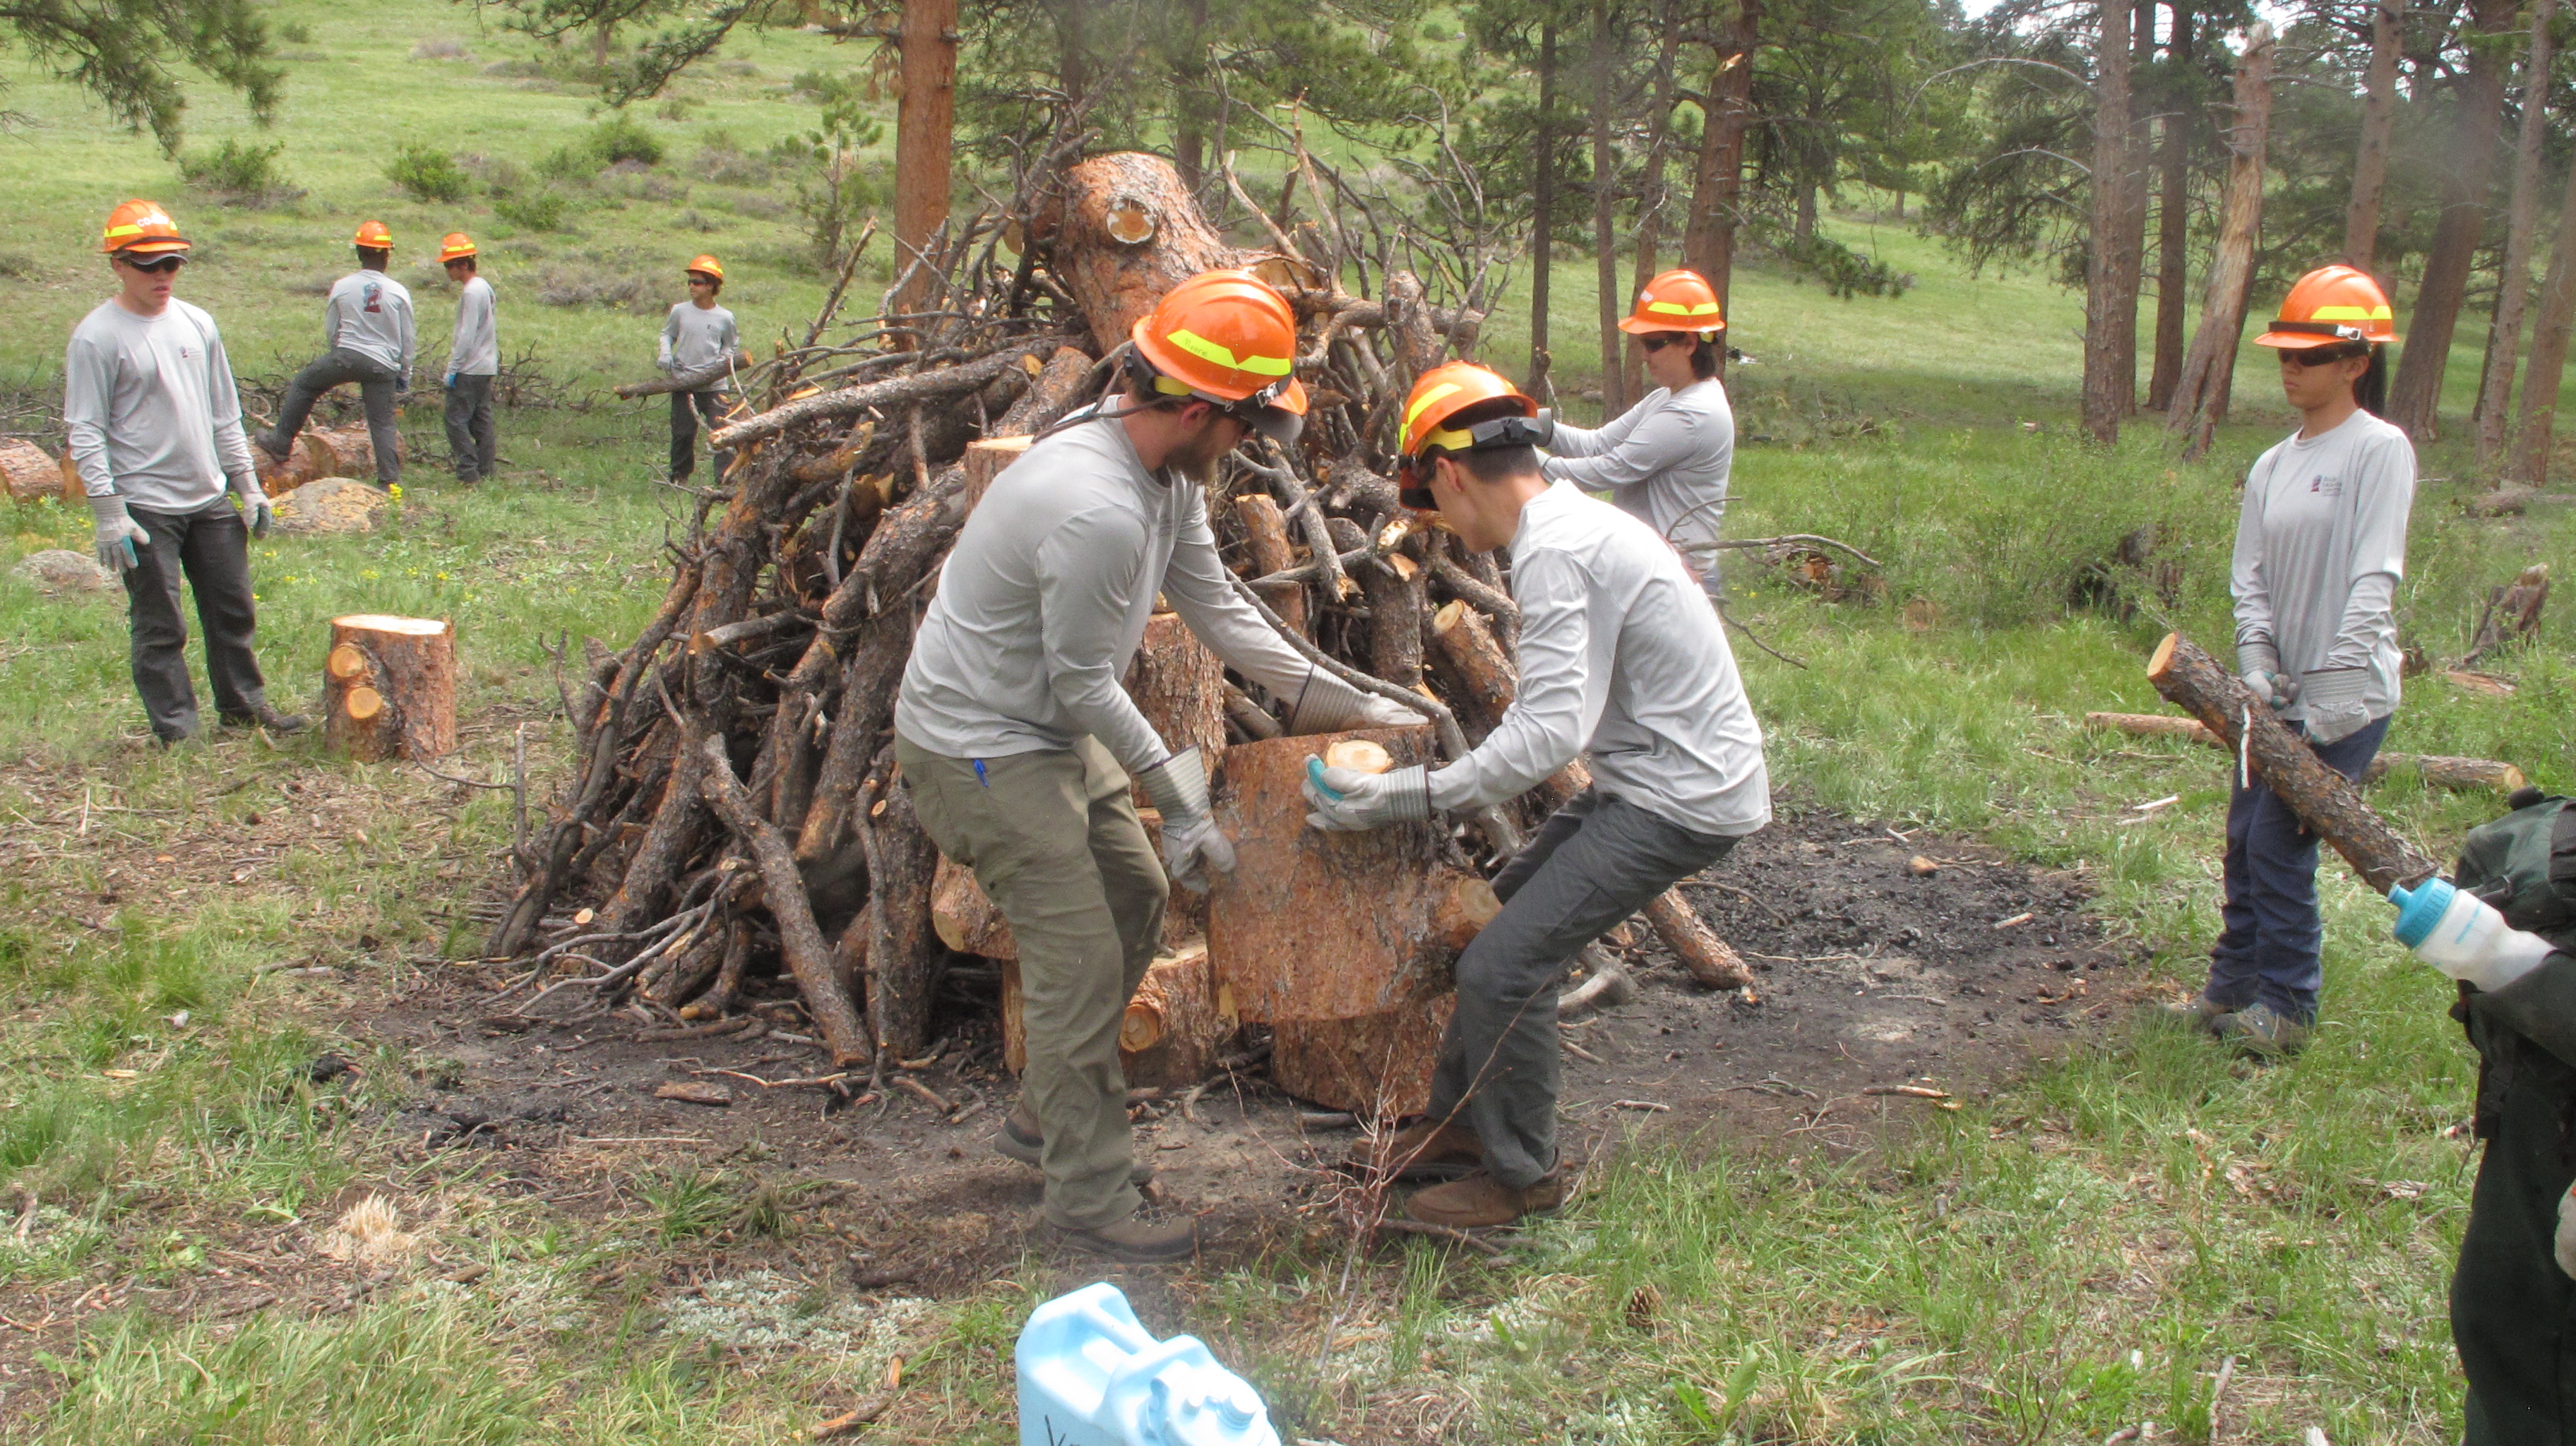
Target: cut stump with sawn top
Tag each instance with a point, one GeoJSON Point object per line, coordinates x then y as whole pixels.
{"type": "Point", "coordinates": [389, 687]}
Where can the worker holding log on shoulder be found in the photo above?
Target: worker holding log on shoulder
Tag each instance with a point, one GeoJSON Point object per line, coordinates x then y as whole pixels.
{"type": "Point", "coordinates": [2320, 547]}
{"type": "Point", "coordinates": [370, 336]}
{"type": "Point", "coordinates": [1018, 742]}
{"type": "Point", "coordinates": [1621, 659]}
{"type": "Point", "coordinates": [1665, 459]}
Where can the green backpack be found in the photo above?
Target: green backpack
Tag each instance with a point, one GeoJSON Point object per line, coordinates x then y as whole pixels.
{"type": "Point", "coordinates": [2525, 864]}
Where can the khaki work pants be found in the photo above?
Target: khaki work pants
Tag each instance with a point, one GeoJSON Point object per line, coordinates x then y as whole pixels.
{"type": "Point", "coordinates": [1056, 844]}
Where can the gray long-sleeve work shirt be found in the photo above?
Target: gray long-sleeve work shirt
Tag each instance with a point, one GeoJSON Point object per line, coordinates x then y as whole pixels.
{"type": "Point", "coordinates": [1664, 460]}
{"type": "Point", "coordinates": [1621, 659]}
{"type": "Point", "coordinates": [370, 313]}
{"type": "Point", "coordinates": [2320, 549]}
{"type": "Point", "coordinates": [150, 406]}
{"type": "Point", "coordinates": [695, 336]}
{"type": "Point", "coordinates": [1044, 599]}
{"type": "Point", "coordinates": [475, 350]}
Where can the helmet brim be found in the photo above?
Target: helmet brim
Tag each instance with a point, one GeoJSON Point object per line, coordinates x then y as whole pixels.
{"type": "Point", "coordinates": [157, 246]}
{"type": "Point", "coordinates": [1635, 327]}
{"type": "Point", "coordinates": [2309, 341]}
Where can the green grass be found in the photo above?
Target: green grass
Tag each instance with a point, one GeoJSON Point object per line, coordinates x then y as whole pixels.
{"type": "Point", "coordinates": [2077, 1252]}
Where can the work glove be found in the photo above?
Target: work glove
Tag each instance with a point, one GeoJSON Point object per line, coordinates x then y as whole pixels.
{"type": "Point", "coordinates": [1191, 842]}
{"type": "Point", "coordinates": [1346, 800]}
{"type": "Point", "coordinates": [255, 506]}
{"type": "Point", "coordinates": [114, 532]}
{"type": "Point", "coordinates": [2567, 1232]}
{"type": "Point", "coordinates": [451, 381]}
{"type": "Point", "coordinates": [2337, 708]}
{"type": "Point", "coordinates": [1326, 704]}
{"type": "Point", "coordinates": [2464, 936]}
{"type": "Point", "coordinates": [2259, 664]}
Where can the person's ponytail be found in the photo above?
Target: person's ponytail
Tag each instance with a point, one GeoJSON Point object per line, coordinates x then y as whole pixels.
{"type": "Point", "coordinates": [2370, 389]}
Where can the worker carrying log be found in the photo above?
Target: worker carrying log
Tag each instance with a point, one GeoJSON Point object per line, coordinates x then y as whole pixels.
{"type": "Point", "coordinates": [700, 337]}
{"type": "Point", "coordinates": [2320, 548]}
{"type": "Point", "coordinates": [368, 330]}
{"type": "Point", "coordinates": [1018, 742]}
{"type": "Point", "coordinates": [1620, 658]}
{"type": "Point", "coordinates": [156, 432]}
{"type": "Point", "coordinates": [473, 360]}
{"type": "Point", "coordinates": [1665, 459]}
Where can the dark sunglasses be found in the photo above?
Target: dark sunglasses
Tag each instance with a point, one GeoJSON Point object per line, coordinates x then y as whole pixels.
{"type": "Point", "coordinates": [159, 264]}
{"type": "Point", "coordinates": [1657, 341]}
{"type": "Point", "coordinates": [2318, 356]}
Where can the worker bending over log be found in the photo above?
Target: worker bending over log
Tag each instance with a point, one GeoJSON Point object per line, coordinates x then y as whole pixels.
{"type": "Point", "coordinates": [1620, 658]}
{"type": "Point", "coordinates": [1018, 742]}
{"type": "Point", "coordinates": [368, 328]}
{"type": "Point", "coordinates": [2320, 547]}
{"type": "Point", "coordinates": [1665, 459]}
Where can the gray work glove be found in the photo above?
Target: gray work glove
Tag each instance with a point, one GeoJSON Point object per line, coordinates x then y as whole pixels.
{"type": "Point", "coordinates": [2567, 1232]}
{"type": "Point", "coordinates": [2337, 707]}
{"type": "Point", "coordinates": [2259, 664]}
{"type": "Point", "coordinates": [256, 509]}
{"type": "Point", "coordinates": [114, 532]}
{"type": "Point", "coordinates": [1191, 842]}
{"type": "Point", "coordinates": [1326, 704]}
{"type": "Point", "coordinates": [1349, 801]}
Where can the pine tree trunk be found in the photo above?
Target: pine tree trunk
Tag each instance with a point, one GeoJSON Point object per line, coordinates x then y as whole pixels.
{"type": "Point", "coordinates": [2209, 367]}
{"type": "Point", "coordinates": [1605, 236]}
{"type": "Point", "coordinates": [2173, 223]}
{"type": "Point", "coordinates": [2133, 198]}
{"type": "Point", "coordinates": [2549, 336]}
{"type": "Point", "coordinates": [2378, 122]}
{"type": "Point", "coordinates": [2414, 401]}
{"type": "Point", "coordinates": [2110, 287]}
{"type": "Point", "coordinates": [924, 131]}
{"type": "Point", "coordinates": [1189, 95]}
{"type": "Point", "coordinates": [1708, 247]}
{"type": "Point", "coordinates": [2513, 289]}
{"type": "Point", "coordinates": [1651, 192]}
{"type": "Point", "coordinates": [1543, 208]}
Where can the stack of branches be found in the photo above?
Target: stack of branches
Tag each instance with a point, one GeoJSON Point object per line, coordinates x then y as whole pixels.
{"type": "Point", "coordinates": [733, 810]}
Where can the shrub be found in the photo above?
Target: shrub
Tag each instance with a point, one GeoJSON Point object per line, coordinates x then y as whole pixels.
{"type": "Point", "coordinates": [295, 32]}
{"type": "Point", "coordinates": [441, 49]}
{"type": "Point", "coordinates": [428, 174]}
{"type": "Point", "coordinates": [238, 173]}
{"type": "Point", "coordinates": [623, 138]}
{"type": "Point", "coordinates": [569, 163]}
{"type": "Point", "coordinates": [541, 210]}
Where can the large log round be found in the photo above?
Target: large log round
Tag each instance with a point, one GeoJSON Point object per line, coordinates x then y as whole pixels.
{"type": "Point", "coordinates": [1378, 1067]}
{"type": "Point", "coordinates": [1128, 232]}
{"type": "Point", "coordinates": [389, 687]}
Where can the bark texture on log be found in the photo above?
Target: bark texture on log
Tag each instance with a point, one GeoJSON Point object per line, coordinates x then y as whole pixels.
{"type": "Point", "coordinates": [351, 450]}
{"type": "Point", "coordinates": [310, 460]}
{"type": "Point", "coordinates": [1179, 1024]}
{"type": "Point", "coordinates": [688, 381]}
{"type": "Point", "coordinates": [1480, 679]}
{"type": "Point", "coordinates": [2468, 775]}
{"type": "Point", "coordinates": [902, 947]}
{"type": "Point", "coordinates": [2512, 612]}
{"type": "Point", "coordinates": [30, 473]}
{"type": "Point", "coordinates": [985, 461]}
{"type": "Point", "coordinates": [1128, 231]}
{"type": "Point", "coordinates": [809, 959]}
{"type": "Point", "coordinates": [1272, 552]}
{"type": "Point", "coordinates": [2191, 679]}
{"type": "Point", "coordinates": [1179, 685]}
{"type": "Point", "coordinates": [1317, 925]}
{"type": "Point", "coordinates": [1711, 962]}
{"type": "Point", "coordinates": [389, 687]}
{"type": "Point", "coordinates": [1378, 1066]}
{"type": "Point", "coordinates": [1055, 390]}
{"type": "Point", "coordinates": [964, 918]}
{"type": "Point", "coordinates": [927, 386]}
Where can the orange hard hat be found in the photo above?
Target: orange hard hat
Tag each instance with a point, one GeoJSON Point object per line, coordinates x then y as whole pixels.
{"type": "Point", "coordinates": [454, 246]}
{"type": "Point", "coordinates": [143, 228]}
{"type": "Point", "coordinates": [1442, 393]}
{"type": "Point", "coordinates": [1227, 337]}
{"type": "Point", "coordinates": [372, 236]}
{"type": "Point", "coordinates": [2329, 305]}
{"type": "Point", "coordinates": [709, 265]}
{"type": "Point", "coordinates": [1677, 301]}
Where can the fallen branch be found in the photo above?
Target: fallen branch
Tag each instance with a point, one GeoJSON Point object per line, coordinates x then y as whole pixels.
{"type": "Point", "coordinates": [692, 381]}
{"type": "Point", "coordinates": [892, 392]}
{"type": "Point", "coordinates": [809, 958]}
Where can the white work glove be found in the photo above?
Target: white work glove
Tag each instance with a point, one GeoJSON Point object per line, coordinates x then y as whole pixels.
{"type": "Point", "coordinates": [256, 510]}
{"type": "Point", "coordinates": [2567, 1232]}
{"type": "Point", "coordinates": [2259, 664]}
{"type": "Point", "coordinates": [1326, 704]}
{"type": "Point", "coordinates": [2337, 708]}
{"type": "Point", "coordinates": [1191, 842]}
{"type": "Point", "coordinates": [114, 532]}
{"type": "Point", "coordinates": [1347, 801]}
{"type": "Point", "coordinates": [2464, 936]}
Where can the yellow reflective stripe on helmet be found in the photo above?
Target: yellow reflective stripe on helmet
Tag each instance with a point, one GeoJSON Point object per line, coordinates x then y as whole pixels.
{"type": "Point", "coordinates": [1452, 441]}
{"type": "Point", "coordinates": [1675, 308]}
{"type": "Point", "coordinates": [2353, 313]}
{"type": "Point", "coordinates": [1206, 350]}
{"type": "Point", "coordinates": [1170, 388]}
{"type": "Point", "coordinates": [1413, 412]}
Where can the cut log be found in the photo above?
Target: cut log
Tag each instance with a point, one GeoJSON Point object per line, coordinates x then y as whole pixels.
{"type": "Point", "coordinates": [1125, 232]}
{"type": "Point", "coordinates": [809, 959]}
{"type": "Point", "coordinates": [1267, 528]}
{"type": "Point", "coordinates": [1317, 925]}
{"type": "Point", "coordinates": [1377, 1067]}
{"type": "Point", "coordinates": [2512, 612]}
{"type": "Point", "coordinates": [1179, 685]}
{"type": "Point", "coordinates": [691, 381]}
{"type": "Point", "coordinates": [311, 459]}
{"type": "Point", "coordinates": [1399, 607]}
{"type": "Point", "coordinates": [902, 949]}
{"type": "Point", "coordinates": [351, 450]}
{"type": "Point", "coordinates": [2331, 808]}
{"type": "Point", "coordinates": [1180, 1023]}
{"type": "Point", "coordinates": [965, 919]}
{"type": "Point", "coordinates": [985, 461]}
{"type": "Point", "coordinates": [1481, 680]}
{"type": "Point", "coordinates": [389, 687]}
{"type": "Point", "coordinates": [2468, 775]}
{"type": "Point", "coordinates": [1708, 958]}
{"type": "Point", "coordinates": [31, 473]}
{"type": "Point", "coordinates": [1360, 755]}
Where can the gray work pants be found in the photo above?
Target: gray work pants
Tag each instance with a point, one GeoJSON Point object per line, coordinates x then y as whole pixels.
{"type": "Point", "coordinates": [1595, 862]}
{"type": "Point", "coordinates": [471, 438]}
{"type": "Point", "coordinates": [686, 409]}
{"type": "Point", "coordinates": [210, 548]}
{"type": "Point", "coordinates": [1055, 842]}
{"type": "Point", "coordinates": [375, 387]}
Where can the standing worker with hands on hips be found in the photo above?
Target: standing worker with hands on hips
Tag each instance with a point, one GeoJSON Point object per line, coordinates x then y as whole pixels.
{"type": "Point", "coordinates": [1018, 742]}
{"type": "Point", "coordinates": [2320, 547]}
{"type": "Point", "coordinates": [1666, 459]}
{"type": "Point", "coordinates": [1622, 659]}
{"type": "Point", "coordinates": [156, 431]}
{"type": "Point", "coordinates": [473, 360]}
{"type": "Point", "coordinates": [697, 335]}
{"type": "Point", "coordinates": [367, 326]}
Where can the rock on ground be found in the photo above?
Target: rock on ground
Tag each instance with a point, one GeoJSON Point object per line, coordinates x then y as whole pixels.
{"type": "Point", "coordinates": [58, 572]}
{"type": "Point", "coordinates": [333, 504]}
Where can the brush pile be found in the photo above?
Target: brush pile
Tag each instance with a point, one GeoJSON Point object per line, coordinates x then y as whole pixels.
{"type": "Point", "coordinates": [734, 812]}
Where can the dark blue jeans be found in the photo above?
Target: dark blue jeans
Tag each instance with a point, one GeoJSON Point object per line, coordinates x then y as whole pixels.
{"type": "Point", "coordinates": [2267, 949]}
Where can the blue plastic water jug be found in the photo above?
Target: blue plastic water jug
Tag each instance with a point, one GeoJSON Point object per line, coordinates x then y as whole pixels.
{"type": "Point", "coordinates": [1091, 1376]}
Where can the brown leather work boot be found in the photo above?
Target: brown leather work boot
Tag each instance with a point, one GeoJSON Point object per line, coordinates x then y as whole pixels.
{"type": "Point", "coordinates": [1134, 1240]}
{"type": "Point", "coordinates": [1022, 1138]}
{"type": "Point", "coordinates": [1431, 1150]}
{"type": "Point", "coordinates": [1480, 1199]}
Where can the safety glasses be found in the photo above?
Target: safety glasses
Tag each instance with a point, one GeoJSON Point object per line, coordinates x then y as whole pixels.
{"type": "Point", "coordinates": [1658, 340]}
{"type": "Point", "coordinates": [2319, 356]}
{"type": "Point", "coordinates": [158, 265]}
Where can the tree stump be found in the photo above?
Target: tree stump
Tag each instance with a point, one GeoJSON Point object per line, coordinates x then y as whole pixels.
{"type": "Point", "coordinates": [389, 687]}
{"type": "Point", "coordinates": [1316, 925]}
{"type": "Point", "coordinates": [310, 460]}
{"type": "Point", "coordinates": [985, 461]}
{"type": "Point", "coordinates": [1377, 1067]}
{"type": "Point", "coordinates": [1127, 231]}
